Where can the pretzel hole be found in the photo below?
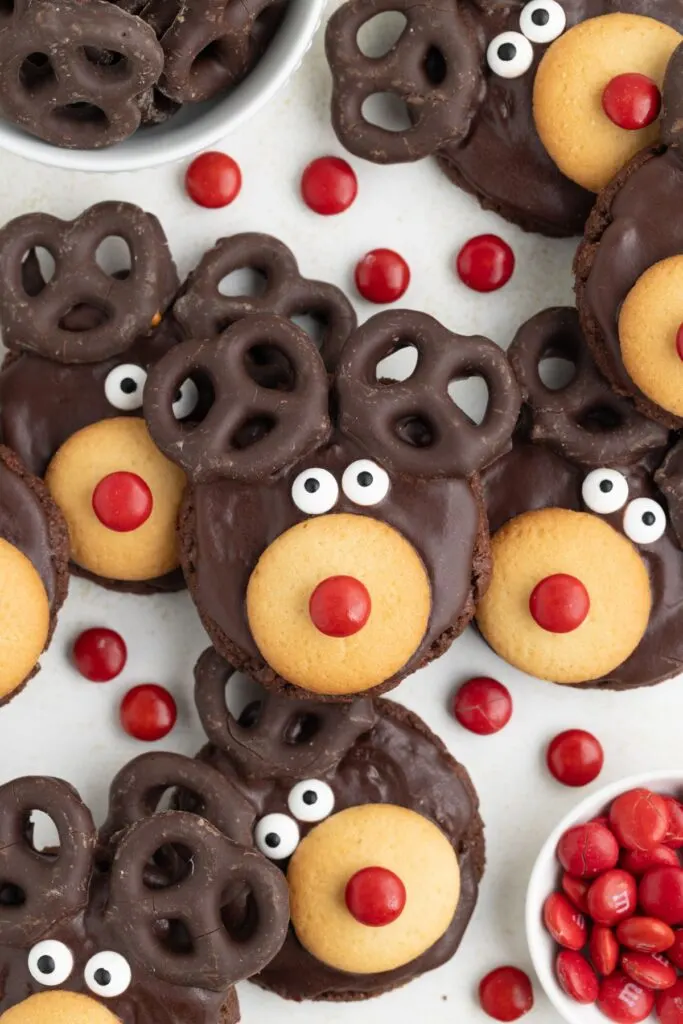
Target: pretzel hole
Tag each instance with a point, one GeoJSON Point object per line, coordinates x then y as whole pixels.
{"type": "Point", "coordinates": [435, 66]}
{"type": "Point", "coordinates": [251, 431]}
{"type": "Point", "coordinates": [36, 72]}
{"type": "Point", "coordinates": [269, 367]}
{"type": "Point", "coordinates": [245, 282]}
{"type": "Point", "coordinates": [314, 326]}
{"type": "Point", "coordinates": [37, 270]}
{"type": "Point", "coordinates": [471, 396]}
{"type": "Point", "coordinates": [388, 111]}
{"type": "Point", "coordinates": [556, 373]}
{"type": "Point", "coordinates": [82, 317]}
{"type": "Point", "coordinates": [415, 431]}
{"type": "Point", "coordinates": [11, 895]}
{"type": "Point", "coordinates": [379, 35]}
{"type": "Point", "coordinates": [399, 366]}
{"type": "Point", "coordinates": [301, 729]}
{"type": "Point", "coordinates": [169, 865]}
{"type": "Point", "coordinates": [216, 54]}
{"type": "Point", "coordinates": [42, 833]}
{"type": "Point", "coordinates": [243, 697]}
{"type": "Point", "coordinates": [174, 936]}
{"type": "Point", "coordinates": [106, 59]}
{"type": "Point", "coordinates": [239, 912]}
{"type": "Point", "coordinates": [600, 419]}
{"type": "Point", "coordinates": [114, 257]}
{"type": "Point", "coordinates": [81, 112]}
{"type": "Point", "coordinates": [6, 8]}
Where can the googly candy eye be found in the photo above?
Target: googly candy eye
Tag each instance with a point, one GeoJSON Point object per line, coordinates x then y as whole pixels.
{"type": "Point", "coordinates": [365, 483]}
{"type": "Point", "coordinates": [605, 491]}
{"type": "Point", "coordinates": [311, 800]}
{"type": "Point", "coordinates": [186, 399]}
{"type": "Point", "coordinates": [644, 521]}
{"type": "Point", "coordinates": [542, 21]}
{"type": "Point", "coordinates": [315, 491]}
{"type": "Point", "coordinates": [107, 974]}
{"type": "Point", "coordinates": [276, 836]}
{"type": "Point", "coordinates": [124, 387]}
{"type": "Point", "coordinates": [50, 962]}
{"type": "Point", "coordinates": [510, 55]}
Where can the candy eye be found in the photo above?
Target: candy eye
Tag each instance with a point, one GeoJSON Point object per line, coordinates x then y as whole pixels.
{"type": "Point", "coordinates": [50, 962]}
{"type": "Point", "coordinates": [605, 491]}
{"type": "Point", "coordinates": [124, 387]}
{"type": "Point", "coordinates": [315, 491]}
{"type": "Point", "coordinates": [510, 55]}
{"type": "Point", "coordinates": [365, 483]}
{"type": "Point", "coordinates": [541, 21]}
{"type": "Point", "coordinates": [107, 974]}
{"type": "Point", "coordinates": [186, 399]}
{"type": "Point", "coordinates": [277, 836]}
{"type": "Point", "coordinates": [311, 800]}
{"type": "Point", "coordinates": [644, 521]}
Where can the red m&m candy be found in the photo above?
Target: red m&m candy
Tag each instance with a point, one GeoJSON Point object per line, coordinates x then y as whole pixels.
{"type": "Point", "coordinates": [382, 276]}
{"type": "Point", "coordinates": [632, 101]}
{"type": "Point", "coordinates": [575, 757]}
{"type": "Point", "coordinates": [148, 712]}
{"type": "Point", "coordinates": [639, 819]}
{"type": "Point", "coordinates": [122, 502]}
{"type": "Point", "coordinates": [329, 185]}
{"type": "Point", "coordinates": [100, 654]}
{"type": "Point", "coordinates": [375, 897]}
{"type": "Point", "coordinates": [485, 263]}
{"type": "Point", "coordinates": [483, 706]}
{"type": "Point", "coordinates": [577, 977]}
{"type": "Point", "coordinates": [213, 180]}
{"type": "Point", "coordinates": [506, 994]}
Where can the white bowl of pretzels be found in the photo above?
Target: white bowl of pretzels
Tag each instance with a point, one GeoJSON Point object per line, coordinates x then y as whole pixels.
{"type": "Point", "coordinates": [120, 85]}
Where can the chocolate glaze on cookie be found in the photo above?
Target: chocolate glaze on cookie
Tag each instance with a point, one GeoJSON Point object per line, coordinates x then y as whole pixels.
{"type": "Point", "coordinates": [370, 752]}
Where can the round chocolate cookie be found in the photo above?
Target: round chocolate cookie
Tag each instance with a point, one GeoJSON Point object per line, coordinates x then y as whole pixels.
{"type": "Point", "coordinates": [333, 537]}
{"type": "Point", "coordinates": [485, 86]}
{"type": "Point", "coordinates": [358, 798]}
{"type": "Point", "coordinates": [587, 565]}
{"type": "Point", "coordinates": [629, 271]}
{"type": "Point", "coordinates": [34, 563]}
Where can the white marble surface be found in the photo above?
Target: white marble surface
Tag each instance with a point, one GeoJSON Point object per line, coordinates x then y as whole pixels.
{"type": "Point", "coordinates": [65, 726]}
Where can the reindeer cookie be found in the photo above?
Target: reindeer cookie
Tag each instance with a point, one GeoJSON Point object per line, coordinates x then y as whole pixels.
{"type": "Point", "coordinates": [485, 83]}
{"type": "Point", "coordinates": [629, 271]}
{"type": "Point", "coordinates": [373, 823]}
{"type": "Point", "coordinates": [587, 567]}
{"type": "Point", "coordinates": [81, 345]}
{"type": "Point", "coordinates": [122, 934]}
{"type": "Point", "coordinates": [333, 537]}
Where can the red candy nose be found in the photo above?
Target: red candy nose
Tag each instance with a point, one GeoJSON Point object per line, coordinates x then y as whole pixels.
{"type": "Point", "coordinates": [122, 502]}
{"type": "Point", "coordinates": [632, 101]}
{"type": "Point", "coordinates": [340, 606]}
{"type": "Point", "coordinates": [559, 604]}
{"type": "Point", "coordinates": [375, 897]}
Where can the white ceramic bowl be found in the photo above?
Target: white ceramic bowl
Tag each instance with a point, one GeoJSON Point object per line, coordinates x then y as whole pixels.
{"type": "Point", "coordinates": [195, 127]}
{"type": "Point", "coordinates": [545, 878]}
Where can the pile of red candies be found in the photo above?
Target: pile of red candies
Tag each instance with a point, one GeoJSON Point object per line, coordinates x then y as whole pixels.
{"type": "Point", "coordinates": [618, 916]}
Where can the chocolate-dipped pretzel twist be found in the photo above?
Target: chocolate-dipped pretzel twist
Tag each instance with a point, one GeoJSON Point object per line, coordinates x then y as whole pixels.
{"type": "Point", "coordinates": [204, 312]}
{"type": "Point", "coordinates": [73, 72]}
{"type": "Point", "coordinates": [433, 68]}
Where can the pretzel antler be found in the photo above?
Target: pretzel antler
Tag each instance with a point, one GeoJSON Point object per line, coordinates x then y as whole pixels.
{"type": "Point", "coordinates": [441, 108]}
{"type": "Point", "coordinates": [220, 870]}
{"type": "Point", "coordinates": [285, 738]}
{"type": "Point", "coordinates": [669, 479]}
{"type": "Point", "coordinates": [672, 113]}
{"type": "Point", "coordinates": [52, 886]}
{"type": "Point", "coordinates": [252, 431]}
{"type": "Point", "coordinates": [583, 421]}
{"type": "Point", "coordinates": [382, 416]}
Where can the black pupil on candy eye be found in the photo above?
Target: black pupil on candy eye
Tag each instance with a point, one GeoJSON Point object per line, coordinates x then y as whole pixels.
{"type": "Point", "coordinates": [102, 977]}
{"type": "Point", "coordinates": [540, 17]}
{"type": "Point", "coordinates": [606, 486]}
{"type": "Point", "coordinates": [508, 51]}
{"type": "Point", "coordinates": [312, 485]}
{"type": "Point", "coordinates": [365, 479]}
{"type": "Point", "coordinates": [310, 797]}
{"type": "Point", "coordinates": [272, 840]}
{"type": "Point", "coordinates": [649, 518]}
{"type": "Point", "coordinates": [129, 386]}
{"type": "Point", "coordinates": [178, 396]}
{"type": "Point", "coordinates": [46, 965]}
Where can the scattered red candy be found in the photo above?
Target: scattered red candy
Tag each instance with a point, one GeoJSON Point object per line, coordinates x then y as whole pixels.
{"type": "Point", "coordinates": [576, 890]}
{"type": "Point", "coordinates": [612, 897]}
{"type": "Point", "coordinates": [565, 924]}
{"type": "Point", "coordinates": [375, 897]}
{"type": "Point", "coordinates": [576, 977]}
{"type": "Point", "coordinates": [661, 894]}
{"type": "Point", "coordinates": [623, 1000]}
{"type": "Point", "coordinates": [674, 833]}
{"type": "Point", "coordinates": [645, 934]}
{"type": "Point", "coordinates": [122, 502]}
{"type": "Point", "coordinates": [559, 603]}
{"type": "Point", "coordinates": [213, 180]}
{"type": "Point", "coordinates": [329, 185]}
{"type": "Point", "coordinates": [640, 861]}
{"type": "Point", "coordinates": [575, 758]}
{"type": "Point", "coordinates": [679, 342]}
{"type": "Point", "coordinates": [506, 994]}
{"type": "Point", "coordinates": [648, 970]}
{"type": "Point", "coordinates": [382, 276]}
{"type": "Point", "coordinates": [483, 706]}
{"type": "Point", "coordinates": [585, 851]}
{"type": "Point", "coordinates": [603, 949]}
{"type": "Point", "coordinates": [148, 712]}
{"type": "Point", "coordinates": [632, 101]}
{"type": "Point", "coordinates": [670, 1004]}
{"type": "Point", "coordinates": [639, 819]}
{"type": "Point", "coordinates": [485, 263]}
{"type": "Point", "coordinates": [340, 606]}
{"type": "Point", "coordinates": [675, 951]}
{"type": "Point", "coordinates": [99, 654]}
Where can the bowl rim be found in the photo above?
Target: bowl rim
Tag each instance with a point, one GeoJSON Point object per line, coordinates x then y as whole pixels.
{"type": "Point", "coordinates": [273, 71]}
{"type": "Point", "coordinates": [582, 811]}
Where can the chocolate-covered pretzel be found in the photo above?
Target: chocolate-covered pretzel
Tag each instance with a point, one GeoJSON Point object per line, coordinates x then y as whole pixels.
{"type": "Point", "coordinates": [204, 312]}
{"type": "Point", "coordinates": [303, 480]}
{"type": "Point", "coordinates": [54, 82]}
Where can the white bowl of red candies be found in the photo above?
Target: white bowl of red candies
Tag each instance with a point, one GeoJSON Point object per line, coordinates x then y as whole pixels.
{"type": "Point", "coordinates": [604, 912]}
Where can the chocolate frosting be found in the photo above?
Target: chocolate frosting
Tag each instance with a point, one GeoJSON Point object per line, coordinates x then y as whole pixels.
{"type": "Point", "coordinates": [396, 760]}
